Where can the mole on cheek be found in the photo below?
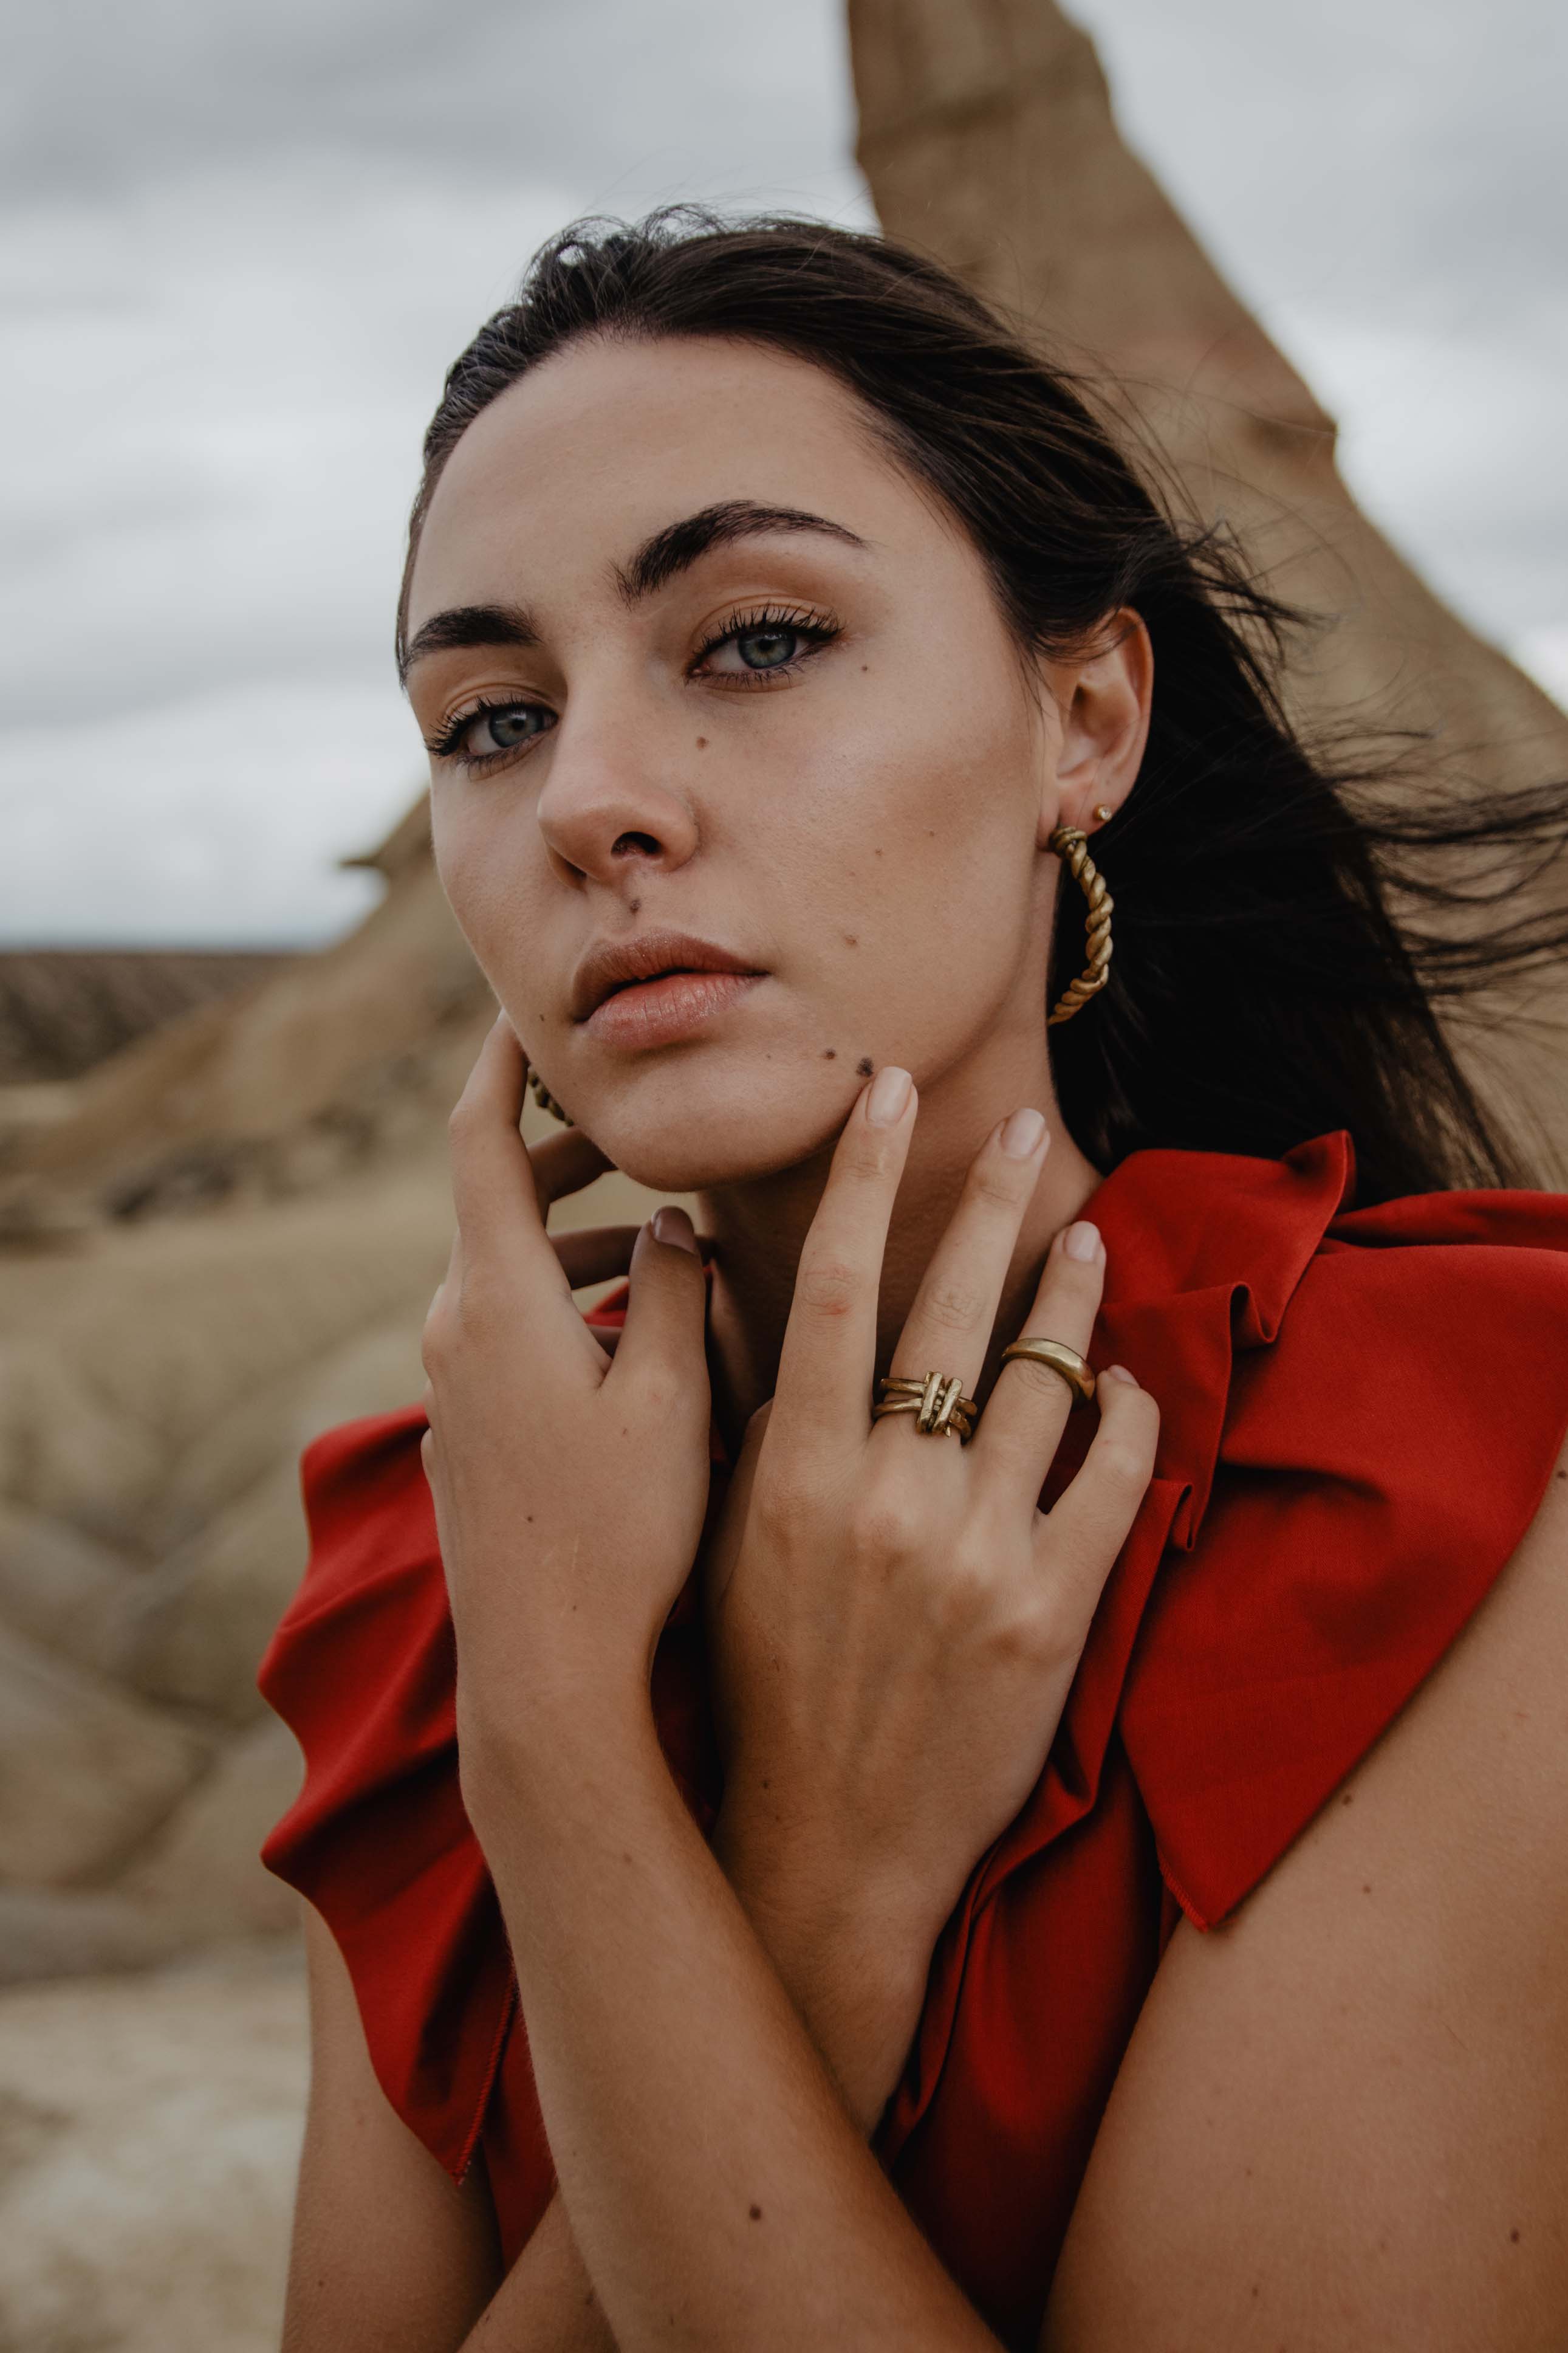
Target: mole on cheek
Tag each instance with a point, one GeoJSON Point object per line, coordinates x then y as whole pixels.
{"type": "Point", "coordinates": [830, 1053]}
{"type": "Point", "coordinates": [634, 906]}
{"type": "Point", "coordinates": [865, 1066]}
{"type": "Point", "coordinates": [850, 941]}
{"type": "Point", "coordinates": [702, 743]}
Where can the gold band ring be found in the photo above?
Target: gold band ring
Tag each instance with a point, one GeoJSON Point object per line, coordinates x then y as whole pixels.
{"type": "Point", "coordinates": [1064, 1362]}
{"type": "Point", "coordinates": [937, 1402]}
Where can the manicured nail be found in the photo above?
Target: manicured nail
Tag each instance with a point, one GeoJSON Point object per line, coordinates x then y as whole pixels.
{"type": "Point", "coordinates": [1119, 1372]}
{"type": "Point", "coordinates": [673, 1227]}
{"type": "Point", "coordinates": [1082, 1243]}
{"type": "Point", "coordinates": [889, 1093]}
{"type": "Point", "coordinates": [1022, 1135]}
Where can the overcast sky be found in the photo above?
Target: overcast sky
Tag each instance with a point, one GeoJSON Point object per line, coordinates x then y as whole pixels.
{"type": "Point", "coordinates": [241, 239]}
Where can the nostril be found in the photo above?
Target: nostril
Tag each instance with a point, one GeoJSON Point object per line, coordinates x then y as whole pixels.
{"type": "Point", "coordinates": [635, 845]}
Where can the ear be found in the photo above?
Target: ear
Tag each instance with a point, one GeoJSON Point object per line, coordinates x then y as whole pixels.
{"type": "Point", "coordinates": [1102, 702]}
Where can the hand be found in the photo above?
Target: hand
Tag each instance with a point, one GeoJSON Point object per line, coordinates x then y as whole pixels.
{"type": "Point", "coordinates": [569, 1489]}
{"type": "Point", "coordinates": [568, 1164]}
{"type": "Point", "coordinates": [895, 1623]}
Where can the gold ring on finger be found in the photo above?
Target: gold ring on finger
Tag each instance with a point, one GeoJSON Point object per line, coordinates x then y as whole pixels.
{"type": "Point", "coordinates": [1064, 1362]}
{"type": "Point", "coordinates": [937, 1402]}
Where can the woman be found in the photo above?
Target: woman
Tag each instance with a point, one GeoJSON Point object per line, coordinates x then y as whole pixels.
{"type": "Point", "coordinates": [938, 1919]}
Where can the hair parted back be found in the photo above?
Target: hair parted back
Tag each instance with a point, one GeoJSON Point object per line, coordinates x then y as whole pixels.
{"type": "Point", "coordinates": [1262, 992]}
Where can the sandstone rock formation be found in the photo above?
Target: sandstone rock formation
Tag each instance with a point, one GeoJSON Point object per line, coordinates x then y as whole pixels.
{"type": "Point", "coordinates": [987, 136]}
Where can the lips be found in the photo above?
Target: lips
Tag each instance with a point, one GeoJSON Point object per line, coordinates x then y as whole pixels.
{"type": "Point", "coordinates": [656, 989]}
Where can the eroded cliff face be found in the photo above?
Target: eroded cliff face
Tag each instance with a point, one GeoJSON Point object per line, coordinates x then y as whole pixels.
{"type": "Point", "coordinates": [988, 139]}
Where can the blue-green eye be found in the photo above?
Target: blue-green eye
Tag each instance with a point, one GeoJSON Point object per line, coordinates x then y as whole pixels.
{"type": "Point", "coordinates": [766, 648]}
{"type": "Point", "coordinates": [506, 728]}
{"type": "Point", "coordinates": [753, 644]}
{"type": "Point", "coordinates": [492, 731]}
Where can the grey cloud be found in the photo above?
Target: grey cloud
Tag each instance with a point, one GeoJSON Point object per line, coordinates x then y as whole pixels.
{"type": "Point", "coordinates": [609, 94]}
{"type": "Point", "coordinates": [241, 239]}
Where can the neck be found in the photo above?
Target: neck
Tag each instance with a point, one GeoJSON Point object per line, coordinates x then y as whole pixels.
{"type": "Point", "coordinates": [759, 1229]}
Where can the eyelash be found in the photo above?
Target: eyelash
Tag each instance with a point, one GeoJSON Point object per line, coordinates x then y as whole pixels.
{"type": "Point", "coordinates": [819, 630]}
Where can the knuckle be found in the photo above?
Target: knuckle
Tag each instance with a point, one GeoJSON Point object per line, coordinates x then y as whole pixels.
{"type": "Point", "coordinates": [828, 1286]}
{"type": "Point", "coordinates": [998, 1183]}
{"type": "Point", "coordinates": [1038, 1381]}
{"type": "Point", "coordinates": [463, 1118]}
{"type": "Point", "coordinates": [953, 1306]}
{"type": "Point", "coordinates": [1122, 1464]}
{"type": "Point", "coordinates": [884, 1525]}
{"type": "Point", "coordinates": [863, 1156]}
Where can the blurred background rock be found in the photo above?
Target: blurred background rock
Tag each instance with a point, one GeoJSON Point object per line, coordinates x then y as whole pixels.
{"type": "Point", "coordinates": [223, 1084]}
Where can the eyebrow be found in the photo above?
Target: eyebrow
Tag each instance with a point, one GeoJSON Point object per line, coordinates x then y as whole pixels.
{"type": "Point", "coordinates": [682, 545]}
{"type": "Point", "coordinates": [658, 561]}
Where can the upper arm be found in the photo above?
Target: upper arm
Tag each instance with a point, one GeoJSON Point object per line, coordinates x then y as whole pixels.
{"type": "Point", "coordinates": [388, 2252]}
{"type": "Point", "coordinates": [1342, 2122]}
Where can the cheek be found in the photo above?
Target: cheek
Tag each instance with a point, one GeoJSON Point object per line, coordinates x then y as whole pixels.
{"type": "Point", "coordinates": [907, 836]}
{"type": "Point", "coordinates": [492, 869]}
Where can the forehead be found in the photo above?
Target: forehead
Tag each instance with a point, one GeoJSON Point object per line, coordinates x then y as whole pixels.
{"type": "Point", "coordinates": [610, 440]}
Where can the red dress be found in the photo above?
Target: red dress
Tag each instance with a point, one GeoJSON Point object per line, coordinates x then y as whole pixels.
{"type": "Point", "coordinates": [1360, 1411]}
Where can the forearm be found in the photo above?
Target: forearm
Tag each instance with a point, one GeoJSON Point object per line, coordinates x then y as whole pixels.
{"type": "Point", "coordinates": [717, 2186]}
{"type": "Point", "coordinates": [547, 2301]}
{"type": "Point", "coordinates": [856, 1984]}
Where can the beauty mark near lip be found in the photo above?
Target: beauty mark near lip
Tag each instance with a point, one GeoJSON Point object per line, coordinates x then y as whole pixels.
{"type": "Point", "coordinates": [665, 1010]}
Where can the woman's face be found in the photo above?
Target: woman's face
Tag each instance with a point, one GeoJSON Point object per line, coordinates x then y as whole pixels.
{"type": "Point", "coordinates": [740, 786]}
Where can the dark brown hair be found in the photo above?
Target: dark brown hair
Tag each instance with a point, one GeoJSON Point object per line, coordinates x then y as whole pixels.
{"type": "Point", "coordinates": [1261, 991]}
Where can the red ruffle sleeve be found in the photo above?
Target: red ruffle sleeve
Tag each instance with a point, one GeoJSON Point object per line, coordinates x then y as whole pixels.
{"type": "Point", "coordinates": [1360, 1411]}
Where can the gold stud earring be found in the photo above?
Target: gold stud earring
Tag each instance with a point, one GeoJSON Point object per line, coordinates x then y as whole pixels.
{"type": "Point", "coordinates": [1104, 812]}
{"type": "Point", "coordinates": [1072, 848]}
{"type": "Point", "coordinates": [546, 1101]}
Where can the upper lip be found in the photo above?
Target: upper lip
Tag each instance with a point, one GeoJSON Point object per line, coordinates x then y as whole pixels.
{"type": "Point", "coordinates": [617, 963]}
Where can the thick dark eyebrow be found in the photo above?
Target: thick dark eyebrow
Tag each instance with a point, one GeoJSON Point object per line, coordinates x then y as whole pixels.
{"type": "Point", "coordinates": [674, 549]}
{"type": "Point", "coordinates": [468, 625]}
{"type": "Point", "coordinates": [680, 545]}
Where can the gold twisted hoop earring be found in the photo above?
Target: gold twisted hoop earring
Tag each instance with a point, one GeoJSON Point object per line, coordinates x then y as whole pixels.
{"type": "Point", "coordinates": [1072, 847]}
{"type": "Point", "coordinates": [546, 1101]}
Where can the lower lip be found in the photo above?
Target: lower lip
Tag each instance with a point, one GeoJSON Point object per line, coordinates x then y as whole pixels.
{"type": "Point", "coordinates": [660, 1012]}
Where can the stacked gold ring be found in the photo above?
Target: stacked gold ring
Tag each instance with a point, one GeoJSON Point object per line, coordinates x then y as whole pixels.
{"type": "Point", "coordinates": [1064, 1362]}
{"type": "Point", "coordinates": [937, 1402]}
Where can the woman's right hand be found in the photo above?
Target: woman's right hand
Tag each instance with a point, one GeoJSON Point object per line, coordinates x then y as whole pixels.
{"type": "Point", "coordinates": [895, 1623]}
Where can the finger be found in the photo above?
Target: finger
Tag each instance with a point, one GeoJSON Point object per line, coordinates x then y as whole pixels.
{"type": "Point", "coordinates": [596, 1253]}
{"type": "Point", "coordinates": [662, 1337]}
{"type": "Point", "coordinates": [949, 1327]}
{"type": "Point", "coordinates": [824, 1390]}
{"type": "Point", "coordinates": [720, 1566]}
{"type": "Point", "coordinates": [1027, 1410]}
{"type": "Point", "coordinates": [604, 1254]}
{"type": "Point", "coordinates": [566, 1164]}
{"type": "Point", "coordinates": [1077, 1544]}
{"type": "Point", "coordinates": [493, 1188]}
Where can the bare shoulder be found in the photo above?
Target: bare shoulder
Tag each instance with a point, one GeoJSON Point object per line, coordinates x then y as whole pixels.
{"type": "Point", "coordinates": [1343, 2121]}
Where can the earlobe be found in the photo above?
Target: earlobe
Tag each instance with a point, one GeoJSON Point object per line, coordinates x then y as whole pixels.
{"type": "Point", "coordinates": [1104, 702]}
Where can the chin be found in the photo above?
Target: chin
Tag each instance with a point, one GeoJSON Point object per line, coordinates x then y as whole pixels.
{"type": "Point", "coordinates": [686, 1128]}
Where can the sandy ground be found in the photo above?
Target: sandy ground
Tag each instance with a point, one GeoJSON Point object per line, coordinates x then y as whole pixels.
{"type": "Point", "coordinates": [149, 2133]}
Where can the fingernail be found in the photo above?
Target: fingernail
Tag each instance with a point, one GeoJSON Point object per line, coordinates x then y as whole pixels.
{"type": "Point", "coordinates": [1021, 1135]}
{"type": "Point", "coordinates": [1082, 1243]}
{"type": "Point", "coordinates": [889, 1094]}
{"type": "Point", "coordinates": [1119, 1372]}
{"type": "Point", "coordinates": [673, 1227]}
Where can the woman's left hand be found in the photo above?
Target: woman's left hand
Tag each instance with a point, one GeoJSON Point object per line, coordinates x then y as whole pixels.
{"type": "Point", "coordinates": [570, 1489]}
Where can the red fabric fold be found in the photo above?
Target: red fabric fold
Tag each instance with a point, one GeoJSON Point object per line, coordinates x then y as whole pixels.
{"type": "Point", "coordinates": [1360, 1413]}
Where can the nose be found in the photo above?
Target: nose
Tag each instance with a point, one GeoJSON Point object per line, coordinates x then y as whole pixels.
{"type": "Point", "coordinates": [606, 815]}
